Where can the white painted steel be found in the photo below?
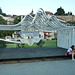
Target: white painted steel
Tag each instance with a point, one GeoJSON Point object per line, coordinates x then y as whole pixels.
{"type": "Point", "coordinates": [39, 22]}
{"type": "Point", "coordinates": [65, 35]}
{"type": "Point", "coordinates": [66, 38]}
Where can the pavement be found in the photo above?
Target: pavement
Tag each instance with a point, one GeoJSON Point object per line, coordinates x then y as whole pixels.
{"type": "Point", "coordinates": [21, 53]}
{"type": "Point", "coordinates": [56, 67]}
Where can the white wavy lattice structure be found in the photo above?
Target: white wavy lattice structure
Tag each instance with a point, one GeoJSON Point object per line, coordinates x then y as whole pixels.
{"type": "Point", "coordinates": [39, 22]}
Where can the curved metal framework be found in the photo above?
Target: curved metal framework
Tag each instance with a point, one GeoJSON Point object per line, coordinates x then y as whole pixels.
{"type": "Point", "coordinates": [39, 22]}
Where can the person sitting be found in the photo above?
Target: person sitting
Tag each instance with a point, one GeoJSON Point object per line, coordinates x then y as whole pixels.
{"type": "Point", "coordinates": [71, 51]}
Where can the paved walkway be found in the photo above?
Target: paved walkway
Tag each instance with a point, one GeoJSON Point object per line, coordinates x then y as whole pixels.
{"type": "Point", "coordinates": [18, 53]}
{"type": "Point", "coordinates": [60, 67]}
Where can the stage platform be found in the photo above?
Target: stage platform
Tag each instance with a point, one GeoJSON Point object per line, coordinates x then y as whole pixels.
{"type": "Point", "coordinates": [27, 53]}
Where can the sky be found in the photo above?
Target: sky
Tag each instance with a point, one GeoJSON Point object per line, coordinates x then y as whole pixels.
{"type": "Point", "coordinates": [24, 7]}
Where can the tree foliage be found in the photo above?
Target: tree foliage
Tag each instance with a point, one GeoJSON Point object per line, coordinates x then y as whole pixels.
{"type": "Point", "coordinates": [2, 21]}
{"type": "Point", "coordinates": [4, 14]}
{"type": "Point", "coordinates": [60, 11]}
{"type": "Point", "coordinates": [2, 44]}
{"type": "Point", "coordinates": [69, 13]}
{"type": "Point", "coordinates": [17, 19]}
{"type": "Point", "coordinates": [4, 33]}
{"type": "Point", "coordinates": [40, 43]}
{"type": "Point", "coordinates": [0, 10]}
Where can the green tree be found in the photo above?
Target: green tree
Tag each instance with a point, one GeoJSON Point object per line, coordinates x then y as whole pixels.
{"type": "Point", "coordinates": [17, 19]}
{"type": "Point", "coordinates": [40, 43]}
{"type": "Point", "coordinates": [4, 14]}
{"type": "Point", "coordinates": [4, 33]}
{"type": "Point", "coordinates": [2, 21]}
{"type": "Point", "coordinates": [0, 10]}
{"type": "Point", "coordinates": [69, 13]}
{"type": "Point", "coordinates": [60, 11]}
{"type": "Point", "coordinates": [2, 44]}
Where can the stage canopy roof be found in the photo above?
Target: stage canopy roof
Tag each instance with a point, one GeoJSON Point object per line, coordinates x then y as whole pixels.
{"type": "Point", "coordinates": [39, 22]}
